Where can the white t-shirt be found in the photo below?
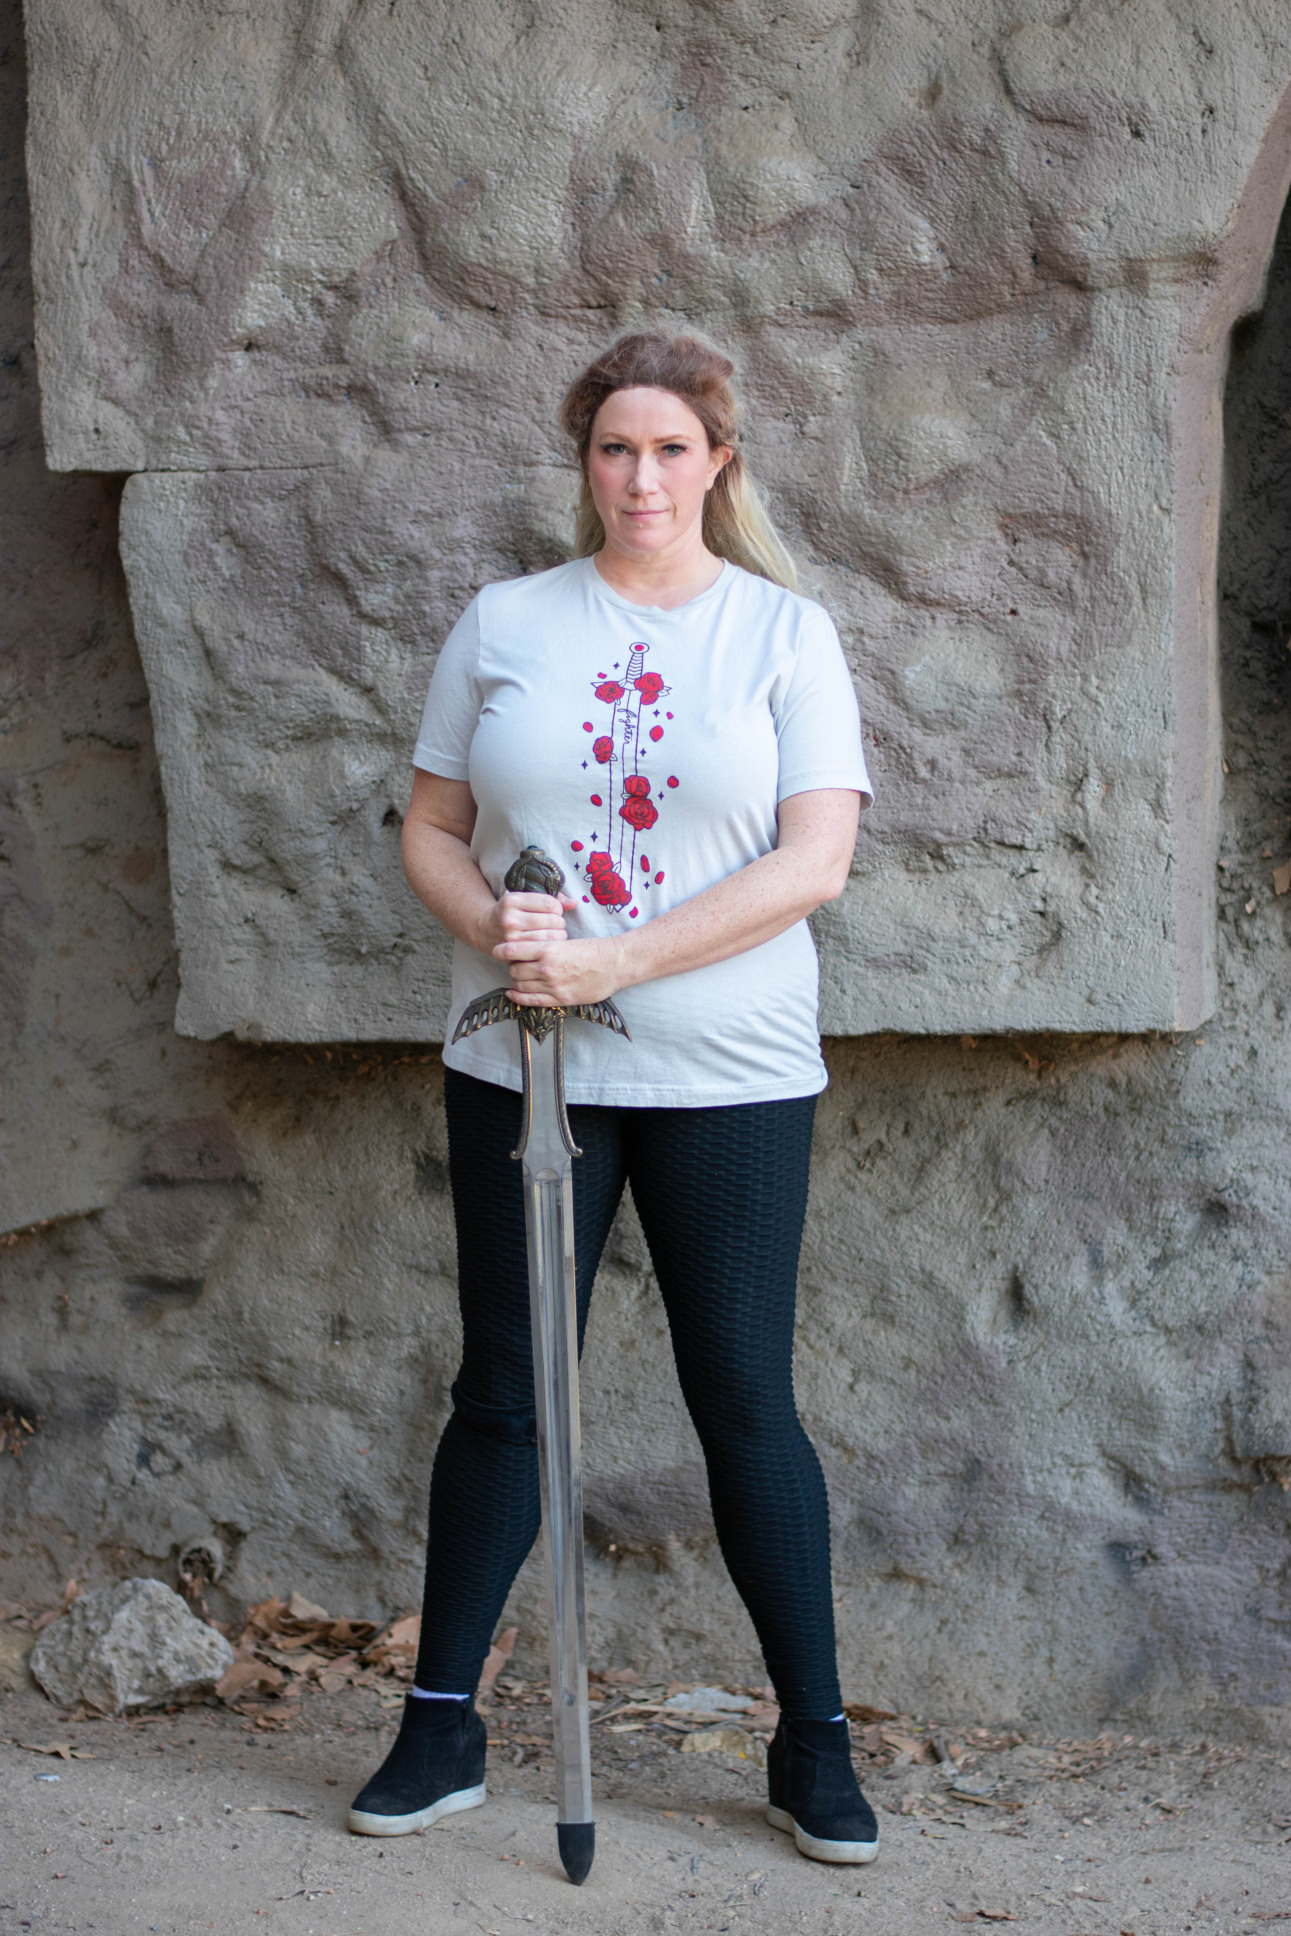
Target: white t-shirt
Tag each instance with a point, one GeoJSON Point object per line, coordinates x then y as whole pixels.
{"type": "Point", "coordinates": [646, 751]}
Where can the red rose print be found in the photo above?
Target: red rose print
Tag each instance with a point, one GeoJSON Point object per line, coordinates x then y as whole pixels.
{"type": "Point", "coordinates": [608, 890]}
{"type": "Point", "coordinates": [639, 812]}
{"type": "Point", "coordinates": [631, 798]}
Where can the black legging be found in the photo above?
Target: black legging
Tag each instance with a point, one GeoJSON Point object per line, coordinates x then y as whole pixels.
{"type": "Point", "coordinates": [722, 1194]}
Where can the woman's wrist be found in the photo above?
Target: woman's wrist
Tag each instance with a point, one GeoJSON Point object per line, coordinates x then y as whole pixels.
{"type": "Point", "coordinates": [625, 963]}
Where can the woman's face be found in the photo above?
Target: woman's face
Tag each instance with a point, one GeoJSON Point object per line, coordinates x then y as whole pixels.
{"type": "Point", "coordinates": [649, 465]}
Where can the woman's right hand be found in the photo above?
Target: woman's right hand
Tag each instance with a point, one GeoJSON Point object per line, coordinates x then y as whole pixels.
{"type": "Point", "coordinates": [539, 918]}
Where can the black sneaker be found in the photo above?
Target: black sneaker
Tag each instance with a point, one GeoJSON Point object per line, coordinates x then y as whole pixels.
{"type": "Point", "coordinates": [435, 1767]}
{"type": "Point", "coordinates": [815, 1795]}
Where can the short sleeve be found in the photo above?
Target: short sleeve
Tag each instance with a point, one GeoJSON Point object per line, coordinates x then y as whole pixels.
{"type": "Point", "coordinates": [818, 722]}
{"type": "Point", "coordinates": [452, 710]}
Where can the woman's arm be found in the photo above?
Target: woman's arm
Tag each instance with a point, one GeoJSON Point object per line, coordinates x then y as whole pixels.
{"type": "Point", "coordinates": [442, 873]}
{"type": "Point", "coordinates": [808, 867]}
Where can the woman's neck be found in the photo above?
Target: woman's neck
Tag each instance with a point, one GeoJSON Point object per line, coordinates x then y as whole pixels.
{"type": "Point", "coordinates": [665, 580]}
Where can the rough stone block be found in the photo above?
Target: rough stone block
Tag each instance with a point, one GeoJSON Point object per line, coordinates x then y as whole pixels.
{"type": "Point", "coordinates": [133, 1645]}
{"type": "Point", "coordinates": [325, 284]}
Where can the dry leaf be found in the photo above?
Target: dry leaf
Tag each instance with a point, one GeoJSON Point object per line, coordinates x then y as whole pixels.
{"type": "Point", "coordinates": [498, 1655]}
{"type": "Point", "coordinates": [265, 1615]}
{"type": "Point", "coordinates": [732, 1741]}
{"type": "Point", "coordinates": [59, 1748]}
{"type": "Point", "coordinates": [866, 1716]}
{"type": "Point", "coordinates": [261, 1808]}
{"type": "Point", "coordinates": [1282, 885]}
{"type": "Point", "coordinates": [705, 1821]}
{"type": "Point", "coordinates": [907, 1745]}
{"type": "Point", "coordinates": [303, 1610]}
{"type": "Point", "coordinates": [247, 1673]}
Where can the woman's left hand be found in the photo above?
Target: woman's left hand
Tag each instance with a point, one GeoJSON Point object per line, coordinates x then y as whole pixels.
{"type": "Point", "coordinates": [561, 973]}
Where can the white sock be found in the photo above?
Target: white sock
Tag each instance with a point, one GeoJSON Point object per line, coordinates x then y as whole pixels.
{"type": "Point", "coordinates": [429, 1694]}
{"type": "Point", "coordinates": [833, 1717]}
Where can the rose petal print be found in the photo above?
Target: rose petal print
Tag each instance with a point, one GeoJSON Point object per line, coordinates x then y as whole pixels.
{"type": "Point", "coordinates": [656, 733]}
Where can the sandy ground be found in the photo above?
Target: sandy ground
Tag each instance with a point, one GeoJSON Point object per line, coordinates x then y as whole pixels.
{"type": "Point", "coordinates": [210, 1819]}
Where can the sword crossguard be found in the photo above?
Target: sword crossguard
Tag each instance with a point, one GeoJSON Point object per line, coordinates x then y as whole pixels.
{"type": "Point", "coordinates": [535, 872]}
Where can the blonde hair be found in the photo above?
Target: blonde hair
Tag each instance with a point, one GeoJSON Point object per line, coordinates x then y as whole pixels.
{"type": "Point", "coordinates": [736, 525]}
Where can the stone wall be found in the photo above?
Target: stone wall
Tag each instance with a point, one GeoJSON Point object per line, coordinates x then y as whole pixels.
{"type": "Point", "coordinates": [1045, 1334]}
{"type": "Point", "coordinates": [318, 274]}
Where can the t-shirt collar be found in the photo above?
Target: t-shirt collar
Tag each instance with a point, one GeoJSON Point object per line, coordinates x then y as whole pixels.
{"type": "Point", "coordinates": [657, 612]}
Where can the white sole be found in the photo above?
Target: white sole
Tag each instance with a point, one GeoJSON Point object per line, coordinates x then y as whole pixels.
{"type": "Point", "coordinates": [818, 1850]}
{"type": "Point", "coordinates": [360, 1822]}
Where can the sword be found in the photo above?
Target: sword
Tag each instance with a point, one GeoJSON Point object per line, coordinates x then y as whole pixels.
{"type": "Point", "coordinates": [546, 1150]}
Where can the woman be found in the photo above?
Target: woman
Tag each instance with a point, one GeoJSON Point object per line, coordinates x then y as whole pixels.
{"type": "Point", "coordinates": [677, 727]}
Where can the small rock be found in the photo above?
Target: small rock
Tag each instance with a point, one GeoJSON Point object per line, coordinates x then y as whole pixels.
{"type": "Point", "coordinates": [133, 1645]}
{"type": "Point", "coordinates": [15, 1653]}
{"type": "Point", "coordinates": [707, 1700]}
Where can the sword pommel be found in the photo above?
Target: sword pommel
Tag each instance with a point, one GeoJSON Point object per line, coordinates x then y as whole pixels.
{"type": "Point", "coordinates": [533, 872]}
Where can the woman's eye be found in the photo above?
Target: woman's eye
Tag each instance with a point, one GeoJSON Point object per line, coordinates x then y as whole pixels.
{"type": "Point", "coordinates": [613, 450]}
{"type": "Point", "coordinates": [674, 450]}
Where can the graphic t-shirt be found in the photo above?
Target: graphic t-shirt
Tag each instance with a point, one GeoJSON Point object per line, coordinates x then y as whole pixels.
{"type": "Point", "coordinates": [646, 751]}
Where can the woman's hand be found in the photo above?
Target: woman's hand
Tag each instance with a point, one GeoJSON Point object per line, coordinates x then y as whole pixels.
{"type": "Point", "coordinates": [553, 972]}
{"type": "Point", "coordinates": [523, 920]}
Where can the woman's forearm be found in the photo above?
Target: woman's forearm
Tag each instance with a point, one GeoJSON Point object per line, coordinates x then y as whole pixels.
{"type": "Point", "coordinates": [734, 915]}
{"type": "Point", "coordinates": [442, 873]}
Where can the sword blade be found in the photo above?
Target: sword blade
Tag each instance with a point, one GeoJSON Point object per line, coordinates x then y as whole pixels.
{"type": "Point", "coordinates": [553, 1309]}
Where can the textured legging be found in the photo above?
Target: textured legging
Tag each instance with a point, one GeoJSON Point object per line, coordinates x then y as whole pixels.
{"type": "Point", "coordinates": [721, 1194]}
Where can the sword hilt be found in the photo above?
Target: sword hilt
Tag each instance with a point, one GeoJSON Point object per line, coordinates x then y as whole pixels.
{"type": "Point", "coordinates": [534, 872]}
